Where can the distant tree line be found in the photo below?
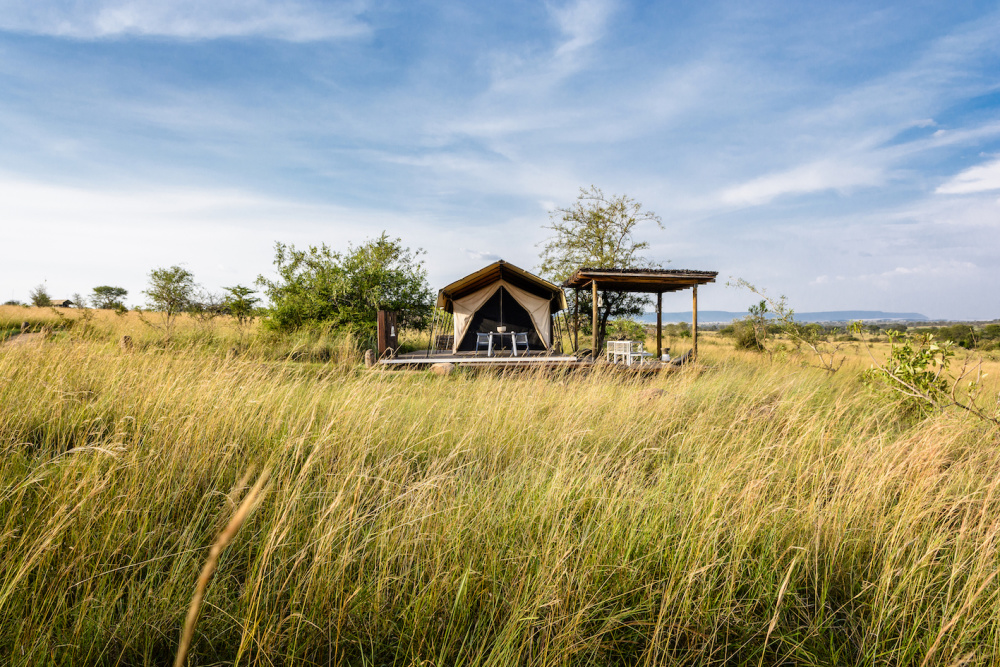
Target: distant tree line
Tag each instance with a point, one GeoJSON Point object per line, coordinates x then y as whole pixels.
{"type": "Point", "coordinates": [315, 287]}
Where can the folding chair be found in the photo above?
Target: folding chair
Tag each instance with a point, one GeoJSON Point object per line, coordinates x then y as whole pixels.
{"type": "Point", "coordinates": [482, 339]}
{"type": "Point", "coordinates": [519, 339]}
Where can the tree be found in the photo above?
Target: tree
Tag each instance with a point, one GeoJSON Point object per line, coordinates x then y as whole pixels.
{"type": "Point", "coordinates": [240, 303]}
{"type": "Point", "coordinates": [108, 296]}
{"type": "Point", "coordinates": [598, 232]}
{"type": "Point", "coordinates": [40, 297]}
{"type": "Point", "coordinates": [78, 301]}
{"type": "Point", "coordinates": [171, 291]}
{"type": "Point", "coordinates": [346, 290]}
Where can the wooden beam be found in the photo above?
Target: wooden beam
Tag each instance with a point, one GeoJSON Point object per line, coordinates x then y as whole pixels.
{"type": "Point", "coordinates": [694, 324]}
{"type": "Point", "coordinates": [659, 325]}
{"type": "Point", "coordinates": [593, 293]}
{"type": "Point", "coordinates": [576, 321]}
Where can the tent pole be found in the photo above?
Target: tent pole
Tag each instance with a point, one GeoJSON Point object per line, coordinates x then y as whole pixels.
{"type": "Point", "coordinates": [659, 325]}
{"type": "Point", "coordinates": [694, 324]}
{"type": "Point", "coordinates": [593, 290]}
{"type": "Point", "coordinates": [430, 343]}
{"type": "Point", "coordinates": [576, 322]}
{"type": "Point", "coordinates": [566, 325]}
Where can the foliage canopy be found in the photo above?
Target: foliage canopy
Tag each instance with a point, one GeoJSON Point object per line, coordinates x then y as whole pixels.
{"type": "Point", "coordinates": [319, 286]}
{"type": "Point", "coordinates": [598, 231]}
{"type": "Point", "coordinates": [171, 291]}
{"type": "Point", "coordinates": [40, 296]}
{"type": "Point", "coordinates": [108, 296]}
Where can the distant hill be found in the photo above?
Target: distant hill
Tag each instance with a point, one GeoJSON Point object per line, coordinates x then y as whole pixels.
{"type": "Point", "coordinates": [707, 316]}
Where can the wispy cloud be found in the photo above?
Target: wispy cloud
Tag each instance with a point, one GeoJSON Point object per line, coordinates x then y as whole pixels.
{"type": "Point", "coordinates": [293, 20]}
{"type": "Point", "coordinates": [579, 24]}
{"type": "Point", "coordinates": [808, 178]}
{"type": "Point", "coordinates": [980, 178]}
{"type": "Point", "coordinates": [582, 23]}
{"type": "Point", "coordinates": [480, 255]}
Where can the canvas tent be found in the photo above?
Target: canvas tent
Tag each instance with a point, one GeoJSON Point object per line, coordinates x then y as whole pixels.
{"type": "Point", "coordinates": [502, 294]}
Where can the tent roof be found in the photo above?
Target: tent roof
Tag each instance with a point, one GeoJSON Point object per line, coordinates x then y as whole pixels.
{"type": "Point", "coordinates": [650, 281]}
{"type": "Point", "coordinates": [501, 270]}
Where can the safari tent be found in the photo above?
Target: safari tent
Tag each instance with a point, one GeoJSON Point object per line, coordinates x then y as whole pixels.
{"type": "Point", "coordinates": [502, 294]}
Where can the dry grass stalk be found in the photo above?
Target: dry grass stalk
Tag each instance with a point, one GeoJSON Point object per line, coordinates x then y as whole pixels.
{"type": "Point", "coordinates": [212, 562]}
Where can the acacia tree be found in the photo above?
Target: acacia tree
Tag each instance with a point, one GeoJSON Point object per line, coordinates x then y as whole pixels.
{"type": "Point", "coordinates": [108, 296]}
{"type": "Point", "coordinates": [40, 296]}
{"type": "Point", "coordinates": [599, 232]}
{"type": "Point", "coordinates": [346, 290]}
{"type": "Point", "coordinates": [171, 291]}
{"type": "Point", "coordinates": [240, 303]}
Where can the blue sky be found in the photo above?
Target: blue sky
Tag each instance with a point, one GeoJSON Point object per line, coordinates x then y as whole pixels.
{"type": "Point", "coordinates": [844, 154]}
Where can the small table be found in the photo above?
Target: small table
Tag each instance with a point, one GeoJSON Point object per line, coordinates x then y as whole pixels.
{"type": "Point", "coordinates": [499, 335]}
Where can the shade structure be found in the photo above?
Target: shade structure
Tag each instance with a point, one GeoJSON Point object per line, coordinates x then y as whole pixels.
{"type": "Point", "coordinates": [502, 294]}
{"type": "Point", "coordinates": [649, 281]}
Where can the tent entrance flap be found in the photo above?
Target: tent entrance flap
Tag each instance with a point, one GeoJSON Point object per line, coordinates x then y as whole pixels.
{"type": "Point", "coordinates": [489, 317]}
{"type": "Point", "coordinates": [502, 304]}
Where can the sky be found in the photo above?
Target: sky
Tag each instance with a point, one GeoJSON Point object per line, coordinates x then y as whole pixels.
{"type": "Point", "coordinates": [844, 154]}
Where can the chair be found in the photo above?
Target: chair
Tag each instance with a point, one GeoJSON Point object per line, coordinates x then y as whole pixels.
{"type": "Point", "coordinates": [618, 350]}
{"type": "Point", "coordinates": [519, 339]}
{"type": "Point", "coordinates": [482, 339]}
{"type": "Point", "coordinates": [625, 351]}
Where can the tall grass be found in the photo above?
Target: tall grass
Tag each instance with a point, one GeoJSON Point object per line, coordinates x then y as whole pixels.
{"type": "Point", "coordinates": [750, 512]}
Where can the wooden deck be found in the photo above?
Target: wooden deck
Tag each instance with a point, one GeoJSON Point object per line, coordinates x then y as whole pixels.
{"type": "Point", "coordinates": [501, 359]}
{"type": "Point", "coordinates": [423, 359]}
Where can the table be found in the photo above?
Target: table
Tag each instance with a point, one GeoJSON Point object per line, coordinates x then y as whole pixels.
{"type": "Point", "coordinates": [489, 348]}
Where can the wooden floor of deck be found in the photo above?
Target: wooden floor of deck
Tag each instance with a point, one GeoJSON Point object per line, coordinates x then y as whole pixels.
{"type": "Point", "coordinates": [504, 358]}
{"type": "Point", "coordinates": [533, 359]}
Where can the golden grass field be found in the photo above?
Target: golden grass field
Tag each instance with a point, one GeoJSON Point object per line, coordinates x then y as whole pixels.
{"type": "Point", "coordinates": [744, 511]}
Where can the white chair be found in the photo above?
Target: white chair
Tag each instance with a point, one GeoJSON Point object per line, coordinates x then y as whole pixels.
{"type": "Point", "coordinates": [519, 339]}
{"type": "Point", "coordinates": [625, 351]}
{"type": "Point", "coordinates": [617, 351]}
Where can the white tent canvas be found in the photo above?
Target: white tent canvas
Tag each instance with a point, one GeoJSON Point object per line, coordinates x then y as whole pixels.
{"type": "Point", "coordinates": [502, 295]}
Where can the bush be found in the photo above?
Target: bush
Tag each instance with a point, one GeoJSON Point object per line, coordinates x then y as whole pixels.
{"type": "Point", "coordinates": [746, 336]}
{"type": "Point", "coordinates": [319, 287]}
{"type": "Point", "coordinates": [626, 330]}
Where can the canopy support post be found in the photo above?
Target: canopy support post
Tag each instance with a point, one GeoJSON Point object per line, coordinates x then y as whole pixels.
{"type": "Point", "coordinates": [694, 323]}
{"type": "Point", "coordinates": [659, 325]}
{"type": "Point", "coordinates": [593, 290]}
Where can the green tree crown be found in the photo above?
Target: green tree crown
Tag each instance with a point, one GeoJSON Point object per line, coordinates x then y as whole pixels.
{"type": "Point", "coordinates": [108, 296]}
{"type": "Point", "coordinates": [599, 232]}
{"type": "Point", "coordinates": [346, 290]}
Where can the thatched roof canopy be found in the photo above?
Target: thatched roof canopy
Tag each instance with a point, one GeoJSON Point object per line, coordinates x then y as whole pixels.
{"type": "Point", "coordinates": [649, 281]}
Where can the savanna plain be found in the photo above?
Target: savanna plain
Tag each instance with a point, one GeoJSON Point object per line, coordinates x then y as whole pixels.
{"type": "Point", "coordinates": [750, 509]}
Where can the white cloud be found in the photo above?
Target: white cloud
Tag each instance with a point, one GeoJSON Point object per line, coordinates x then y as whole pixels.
{"type": "Point", "coordinates": [980, 178]}
{"type": "Point", "coordinates": [528, 73]}
{"type": "Point", "coordinates": [480, 255]}
{"type": "Point", "coordinates": [293, 20]}
{"type": "Point", "coordinates": [941, 269]}
{"type": "Point", "coordinates": [582, 23]}
{"type": "Point", "coordinates": [814, 177]}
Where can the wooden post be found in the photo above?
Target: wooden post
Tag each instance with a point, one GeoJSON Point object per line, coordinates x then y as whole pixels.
{"type": "Point", "coordinates": [576, 322]}
{"type": "Point", "coordinates": [659, 325]}
{"type": "Point", "coordinates": [387, 335]}
{"type": "Point", "coordinates": [694, 324]}
{"type": "Point", "coordinates": [593, 293]}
